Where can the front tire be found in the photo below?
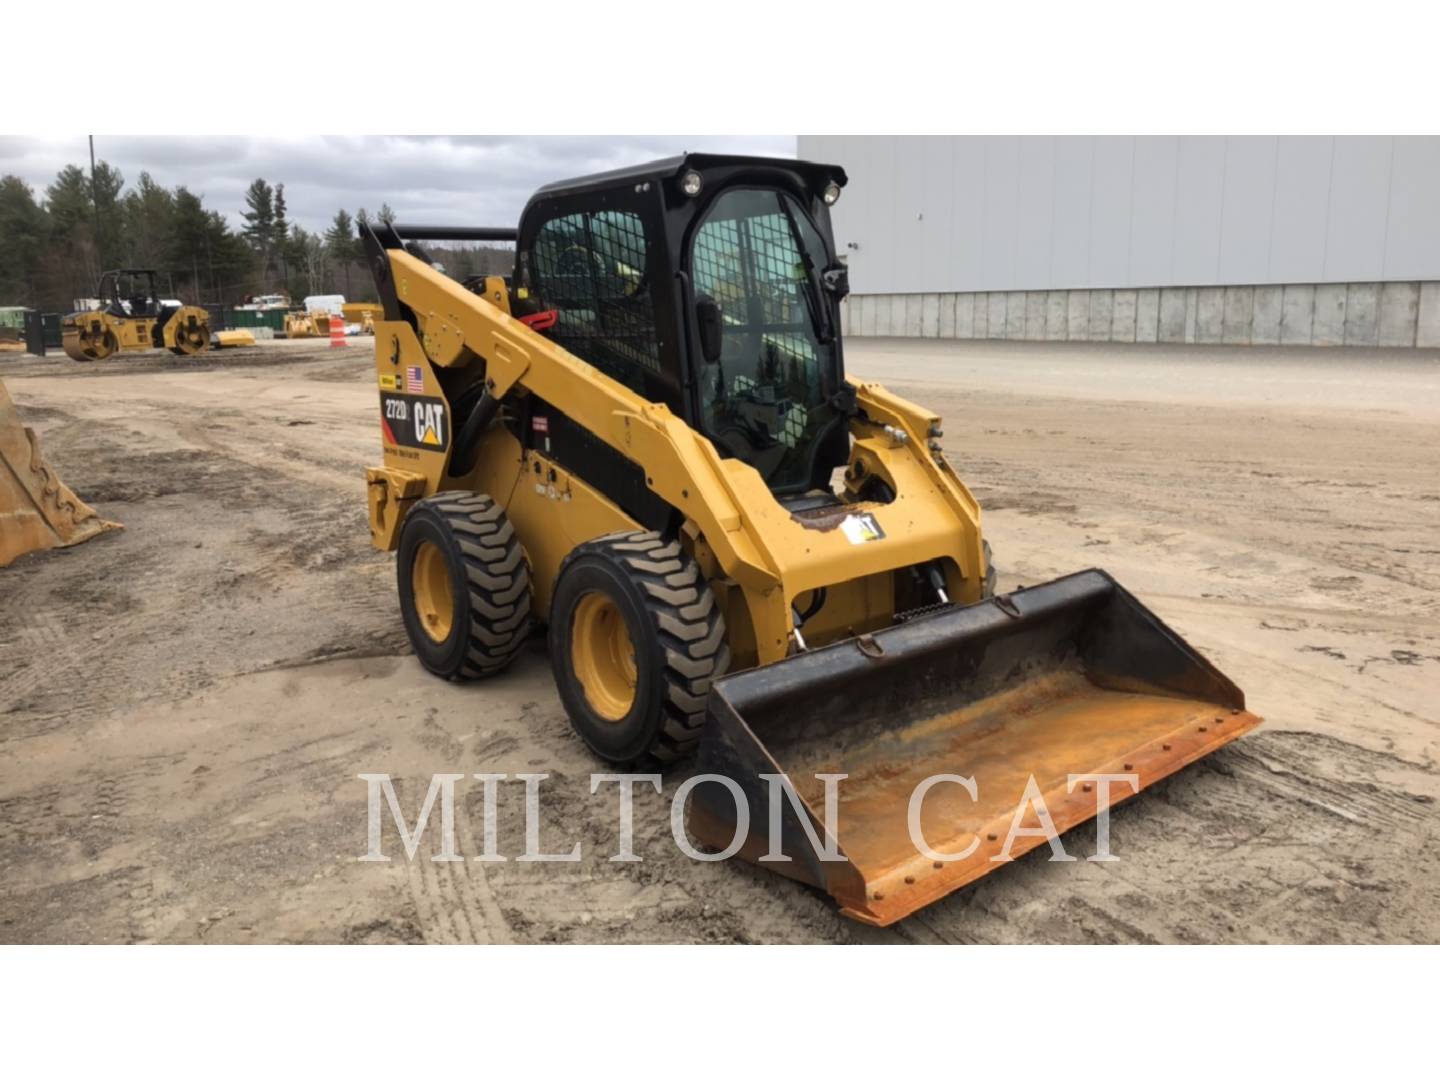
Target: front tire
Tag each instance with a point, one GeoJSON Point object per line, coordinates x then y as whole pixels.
{"type": "Point", "coordinates": [191, 340]}
{"type": "Point", "coordinates": [636, 638]}
{"type": "Point", "coordinates": [464, 585]}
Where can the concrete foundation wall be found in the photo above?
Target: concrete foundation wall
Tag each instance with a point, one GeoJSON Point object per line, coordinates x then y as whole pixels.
{"type": "Point", "coordinates": [1393, 314]}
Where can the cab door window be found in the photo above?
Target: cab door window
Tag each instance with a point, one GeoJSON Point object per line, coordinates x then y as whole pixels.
{"type": "Point", "coordinates": [766, 400]}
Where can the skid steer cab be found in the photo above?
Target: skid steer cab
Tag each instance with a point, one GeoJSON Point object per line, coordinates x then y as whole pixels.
{"type": "Point", "coordinates": [644, 439]}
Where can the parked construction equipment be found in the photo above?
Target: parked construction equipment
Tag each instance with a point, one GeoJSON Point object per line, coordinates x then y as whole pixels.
{"type": "Point", "coordinates": [303, 324]}
{"type": "Point", "coordinates": [132, 317]}
{"type": "Point", "coordinates": [646, 440]}
{"type": "Point", "coordinates": [37, 510]}
{"type": "Point", "coordinates": [362, 315]}
{"type": "Point", "coordinates": [320, 313]}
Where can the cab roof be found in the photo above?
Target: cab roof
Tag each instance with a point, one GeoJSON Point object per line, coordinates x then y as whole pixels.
{"type": "Point", "coordinates": [814, 174]}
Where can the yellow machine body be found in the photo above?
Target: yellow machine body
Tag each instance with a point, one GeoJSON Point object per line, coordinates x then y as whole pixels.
{"type": "Point", "coordinates": [232, 339]}
{"type": "Point", "coordinates": [862, 634]}
{"type": "Point", "coordinates": [96, 335]}
{"type": "Point", "coordinates": [363, 315]}
{"type": "Point", "coordinates": [760, 559]}
{"type": "Point", "coordinates": [304, 324]}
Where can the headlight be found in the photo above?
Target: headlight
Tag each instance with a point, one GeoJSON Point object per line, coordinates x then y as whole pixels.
{"type": "Point", "coordinates": [690, 183]}
{"type": "Point", "coordinates": [832, 193]}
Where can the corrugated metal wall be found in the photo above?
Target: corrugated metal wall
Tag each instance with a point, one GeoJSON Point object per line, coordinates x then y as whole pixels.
{"type": "Point", "coordinates": [995, 213]}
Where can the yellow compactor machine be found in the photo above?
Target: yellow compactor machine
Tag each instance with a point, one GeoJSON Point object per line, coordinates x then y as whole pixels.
{"type": "Point", "coordinates": [133, 318]}
{"type": "Point", "coordinates": [645, 440]}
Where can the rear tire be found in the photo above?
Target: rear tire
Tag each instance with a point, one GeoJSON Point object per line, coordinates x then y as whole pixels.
{"type": "Point", "coordinates": [672, 647]}
{"type": "Point", "coordinates": [464, 585]}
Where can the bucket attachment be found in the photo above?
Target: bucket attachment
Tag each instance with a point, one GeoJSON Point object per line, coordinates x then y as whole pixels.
{"type": "Point", "coordinates": [1068, 679]}
{"type": "Point", "coordinates": [37, 510]}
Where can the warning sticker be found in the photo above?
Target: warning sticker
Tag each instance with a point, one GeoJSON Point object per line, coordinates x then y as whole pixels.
{"type": "Point", "coordinates": [419, 422]}
{"type": "Point", "coordinates": [862, 528]}
{"type": "Point", "coordinates": [389, 382]}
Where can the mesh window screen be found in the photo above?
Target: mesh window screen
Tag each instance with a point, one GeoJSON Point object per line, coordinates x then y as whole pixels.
{"type": "Point", "coordinates": [764, 400]}
{"type": "Point", "coordinates": [752, 266]}
{"type": "Point", "coordinates": [591, 268]}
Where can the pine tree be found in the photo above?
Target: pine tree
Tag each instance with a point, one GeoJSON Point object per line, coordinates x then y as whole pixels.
{"type": "Point", "coordinates": [68, 200]}
{"type": "Point", "coordinates": [231, 261]}
{"type": "Point", "coordinates": [259, 230]}
{"type": "Point", "coordinates": [340, 239]}
{"type": "Point", "coordinates": [285, 251]}
{"type": "Point", "coordinates": [48, 251]}
{"type": "Point", "coordinates": [188, 246]}
{"type": "Point", "coordinates": [282, 225]}
{"type": "Point", "coordinates": [106, 185]}
{"type": "Point", "coordinates": [73, 267]}
{"type": "Point", "coordinates": [149, 212]}
{"type": "Point", "coordinates": [23, 231]}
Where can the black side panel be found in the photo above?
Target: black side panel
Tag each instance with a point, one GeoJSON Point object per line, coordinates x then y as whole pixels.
{"type": "Point", "coordinates": [456, 232]}
{"type": "Point", "coordinates": [34, 333]}
{"type": "Point", "coordinates": [546, 429]}
{"type": "Point", "coordinates": [53, 333]}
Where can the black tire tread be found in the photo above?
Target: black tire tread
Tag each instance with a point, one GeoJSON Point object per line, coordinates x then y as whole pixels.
{"type": "Point", "coordinates": [497, 578]}
{"type": "Point", "coordinates": [689, 626]}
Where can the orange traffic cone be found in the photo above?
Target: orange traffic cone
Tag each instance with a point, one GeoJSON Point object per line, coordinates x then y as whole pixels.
{"type": "Point", "coordinates": [337, 330]}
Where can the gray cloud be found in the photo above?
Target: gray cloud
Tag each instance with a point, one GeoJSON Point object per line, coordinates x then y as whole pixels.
{"type": "Point", "coordinates": [479, 180]}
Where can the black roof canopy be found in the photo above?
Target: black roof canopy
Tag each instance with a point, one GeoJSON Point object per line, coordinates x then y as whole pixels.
{"type": "Point", "coordinates": [812, 174]}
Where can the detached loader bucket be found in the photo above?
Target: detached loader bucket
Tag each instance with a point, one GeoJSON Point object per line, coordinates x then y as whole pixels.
{"type": "Point", "coordinates": [37, 510]}
{"type": "Point", "coordinates": [1070, 678]}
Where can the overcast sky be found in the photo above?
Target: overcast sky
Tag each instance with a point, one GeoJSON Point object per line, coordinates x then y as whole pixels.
{"type": "Point", "coordinates": [453, 180]}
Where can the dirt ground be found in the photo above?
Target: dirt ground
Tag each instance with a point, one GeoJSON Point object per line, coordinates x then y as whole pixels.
{"type": "Point", "coordinates": [185, 705]}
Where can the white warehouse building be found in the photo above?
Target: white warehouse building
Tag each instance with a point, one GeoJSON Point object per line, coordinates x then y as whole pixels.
{"type": "Point", "coordinates": [1304, 240]}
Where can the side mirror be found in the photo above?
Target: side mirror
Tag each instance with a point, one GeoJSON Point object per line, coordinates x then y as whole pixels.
{"type": "Point", "coordinates": [711, 328]}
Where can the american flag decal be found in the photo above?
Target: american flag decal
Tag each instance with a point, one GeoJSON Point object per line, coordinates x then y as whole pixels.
{"type": "Point", "coordinates": [414, 384]}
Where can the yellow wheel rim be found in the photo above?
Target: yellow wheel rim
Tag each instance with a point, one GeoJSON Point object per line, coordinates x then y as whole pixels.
{"type": "Point", "coordinates": [430, 584]}
{"type": "Point", "coordinates": [603, 656]}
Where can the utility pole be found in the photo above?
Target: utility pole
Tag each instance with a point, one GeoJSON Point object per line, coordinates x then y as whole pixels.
{"type": "Point", "coordinates": [94, 195]}
{"type": "Point", "coordinates": [95, 207]}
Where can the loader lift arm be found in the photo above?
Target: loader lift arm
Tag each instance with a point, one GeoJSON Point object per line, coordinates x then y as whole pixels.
{"type": "Point", "coordinates": [457, 327]}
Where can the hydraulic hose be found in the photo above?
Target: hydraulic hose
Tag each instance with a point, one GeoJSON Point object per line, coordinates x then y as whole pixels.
{"type": "Point", "coordinates": [467, 443]}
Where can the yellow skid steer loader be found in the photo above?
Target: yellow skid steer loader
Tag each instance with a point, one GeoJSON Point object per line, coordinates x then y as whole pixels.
{"type": "Point", "coordinates": [645, 440]}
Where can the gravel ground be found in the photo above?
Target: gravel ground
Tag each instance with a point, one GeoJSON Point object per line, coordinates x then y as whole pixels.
{"type": "Point", "coordinates": [185, 705]}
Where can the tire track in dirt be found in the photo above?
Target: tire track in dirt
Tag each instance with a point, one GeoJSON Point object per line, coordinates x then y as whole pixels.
{"type": "Point", "coordinates": [244, 821]}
